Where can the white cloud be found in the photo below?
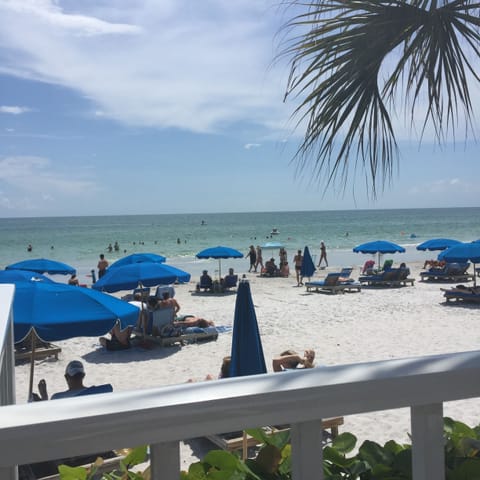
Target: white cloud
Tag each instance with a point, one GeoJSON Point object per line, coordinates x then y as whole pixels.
{"type": "Point", "coordinates": [174, 63]}
{"type": "Point", "coordinates": [443, 187]}
{"type": "Point", "coordinates": [249, 146]}
{"type": "Point", "coordinates": [37, 176]}
{"type": "Point", "coordinates": [14, 110]}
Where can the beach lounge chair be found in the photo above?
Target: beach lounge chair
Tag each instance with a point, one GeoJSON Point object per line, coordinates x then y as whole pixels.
{"type": "Point", "coordinates": [160, 330]}
{"type": "Point", "coordinates": [332, 284]}
{"type": "Point", "coordinates": [388, 278]}
{"type": "Point", "coordinates": [462, 293]}
{"type": "Point", "coordinates": [161, 289]}
{"type": "Point", "coordinates": [23, 349]}
{"type": "Point", "coordinates": [230, 281]}
{"type": "Point", "coordinates": [451, 272]}
{"type": "Point", "coordinates": [234, 440]}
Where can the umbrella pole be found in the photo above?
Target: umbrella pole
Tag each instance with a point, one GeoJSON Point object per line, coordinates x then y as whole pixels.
{"type": "Point", "coordinates": [32, 363]}
{"type": "Point", "coordinates": [219, 269]}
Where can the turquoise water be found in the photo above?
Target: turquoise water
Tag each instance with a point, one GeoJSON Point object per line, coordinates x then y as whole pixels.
{"type": "Point", "coordinates": [79, 240]}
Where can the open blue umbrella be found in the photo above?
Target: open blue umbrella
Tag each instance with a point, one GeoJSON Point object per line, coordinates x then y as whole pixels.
{"type": "Point", "coordinates": [55, 311]}
{"type": "Point", "coordinates": [437, 244]}
{"type": "Point", "coordinates": [136, 275]}
{"type": "Point", "coordinates": [14, 276]}
{"type": "Point", "coordinates": [219, 252]}
{"type": "Point", "coordinates": [247, 351]}
{"type": "Point", "coordinates": [138, 258]}
{"type": "Point", "coordinates": [308, 267]}
{"type": "Point", "coordinates": [464, 252]}
{"type": "Point", "coordinates": [380, 247]}
{"type": "Point", "coordinates": [43, 265]}
{"type": "Point", "coordinates": [272, 246]}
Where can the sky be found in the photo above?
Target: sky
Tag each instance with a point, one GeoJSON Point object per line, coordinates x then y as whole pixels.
{"type": "Point", "coordinates": [138, 106]}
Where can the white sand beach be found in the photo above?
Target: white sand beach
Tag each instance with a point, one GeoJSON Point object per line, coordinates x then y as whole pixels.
{"type": "Point", "coordinates": [375, 324]}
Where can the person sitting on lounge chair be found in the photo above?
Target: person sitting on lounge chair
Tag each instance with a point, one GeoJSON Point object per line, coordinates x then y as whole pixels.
{"type": "Point", "coordinates": [167, 301]}
{"type": "Point", "coordinates": [230, 280]}
{"type": "Point", "coordinates": [270, 268]}
{"type": "Point", "coordinates": [206, 281]}
{"type": "Point", "coordinates": [120, 339]}
{"type": "Point", "coordinates": [74, 375]}
{"type": "Point", "coordinates": [289, 359]}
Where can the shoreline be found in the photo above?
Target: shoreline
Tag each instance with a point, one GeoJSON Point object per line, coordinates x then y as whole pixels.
{"type": "Point", "coordinates": [375, 324]}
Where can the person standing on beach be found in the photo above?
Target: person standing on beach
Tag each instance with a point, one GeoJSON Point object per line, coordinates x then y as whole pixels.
{"type": "Point", "coordinates": [298, 260]}
{"type": "Point", "coordinates": [323, 254]}
{"type": "Point", "coordinates": [102, 266]}
{"type": "Point", "coordinates": [252, 254]}
{"type": "Point", "coordinates": [259, 259]}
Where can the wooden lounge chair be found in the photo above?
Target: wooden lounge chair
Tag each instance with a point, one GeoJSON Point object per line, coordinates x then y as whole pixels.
{"type": "Point", "coordinates": [160, 330]}
{"type": "Point", "coordinates": [462, 294]}
{"type": "Point", "coordinates": [388, 278]}
{"type": "Point", "coordinates": [23, 349]}
{"type": "Point", "coordinates": [333, 284]}
{"type": "Point", "coordinates": [234, 441]}
{"type": "Point", "coordinates": [451, 272]}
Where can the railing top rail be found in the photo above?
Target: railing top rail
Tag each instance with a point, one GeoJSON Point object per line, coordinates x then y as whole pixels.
{"type": "Point", "coordinates": [87, 424]}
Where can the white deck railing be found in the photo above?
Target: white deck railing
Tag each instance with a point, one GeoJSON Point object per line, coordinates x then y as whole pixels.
{"type": "Point", "coordinates": [162, 417]}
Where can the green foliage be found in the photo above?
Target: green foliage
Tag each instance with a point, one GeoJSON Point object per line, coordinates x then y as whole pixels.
{"type": "Point", "coordinates": [372, 461]}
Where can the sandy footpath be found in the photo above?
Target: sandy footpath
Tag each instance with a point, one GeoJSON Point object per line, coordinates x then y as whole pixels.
{"type": "Point", "coordinates": [375, 324]}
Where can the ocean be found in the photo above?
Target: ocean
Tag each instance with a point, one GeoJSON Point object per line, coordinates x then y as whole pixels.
{"type": "Point", "coordinates": [78, 241]}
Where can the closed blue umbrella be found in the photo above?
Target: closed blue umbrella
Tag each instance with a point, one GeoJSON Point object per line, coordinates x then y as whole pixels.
{"type": "Point", "coordinates": [464, 252]}
{"type": "Point", "coordinates": [308, 267]}
{"type": "Point", "coordinates": [437, 244]}
{"type": "Point", "coordinates": [219, 253]}
{"type": "Point", "coordinates": [146, 274]}
{"type": "Point", "coordinates": [138, 258]}
{"type": "Point", "coordinates": [43, 265]}
{"type": "Point", "coordinates": [247, 351]}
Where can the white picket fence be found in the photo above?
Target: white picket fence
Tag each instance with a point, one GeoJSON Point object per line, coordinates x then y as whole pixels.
{"type": "Point", "coordinates": [162, 417]}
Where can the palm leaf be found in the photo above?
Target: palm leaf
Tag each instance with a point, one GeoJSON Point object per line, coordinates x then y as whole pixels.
{"type": "Point", "coordinates": [347, 98]}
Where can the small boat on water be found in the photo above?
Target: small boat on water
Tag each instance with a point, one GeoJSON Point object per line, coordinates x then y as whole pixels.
{"type": "Point", "coordinates": [274, 231]}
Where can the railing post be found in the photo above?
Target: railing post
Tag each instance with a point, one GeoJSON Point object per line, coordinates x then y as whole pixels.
{"type": "Point", "coordinates": [428, 454]}
{"type": "Point", "coordinates": [307, 455]}
{"type": "Point", "coordinates": [165, 461]}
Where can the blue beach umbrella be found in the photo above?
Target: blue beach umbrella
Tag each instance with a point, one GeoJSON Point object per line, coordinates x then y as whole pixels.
{"type": "Point", "coordinates": [308, 267]}
{"type": "Point", "coordinates": [43, 265]}
{"type": "Point", "coordinates": [14, 276]}
{"type": "Point", "coordinates": [147, 274]}
{"type": "Point", "coordinates": [464, 252]}
{"type": "Point", "coordinates": [247, 351]}
{"type": "Point", "coordinates": [437, 244]}
{"type": "Point", "coordinates": [219, 252]}
{"type": "Point", "coordinates": [138, 258]}
{"type": "Point", "coordinates": [380, 247]}
{"type": "Point", "coordinates": [272, 246]}
{"type": "Point", "coordinates": [55, 311]}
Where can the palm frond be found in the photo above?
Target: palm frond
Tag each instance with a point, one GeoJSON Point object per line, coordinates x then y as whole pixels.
{"type": "Point", "coordinates": [337, 63]}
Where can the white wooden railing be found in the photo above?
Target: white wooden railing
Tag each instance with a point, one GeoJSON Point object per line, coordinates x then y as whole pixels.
{"type": "Point", "coordinates": [162, 417]}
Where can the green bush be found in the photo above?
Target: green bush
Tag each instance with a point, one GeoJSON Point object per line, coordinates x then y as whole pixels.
{"type": "Point", "coordinates": [372, 461]}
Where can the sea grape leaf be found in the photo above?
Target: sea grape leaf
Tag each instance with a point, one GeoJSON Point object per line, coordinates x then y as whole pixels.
{"type": "Point", "coordinates": [344, 443]}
